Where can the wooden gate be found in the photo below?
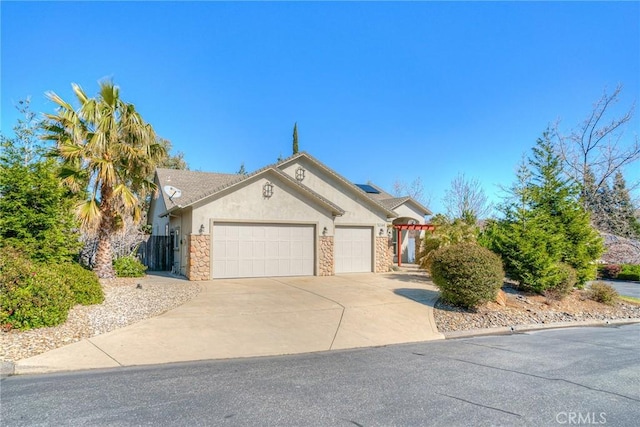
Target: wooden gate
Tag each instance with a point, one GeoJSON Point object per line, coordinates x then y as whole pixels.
{"type": "Point", "coordinates": [157, 253]}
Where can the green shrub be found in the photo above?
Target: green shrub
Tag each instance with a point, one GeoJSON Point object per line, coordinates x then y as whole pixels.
{"type": "Point", "coordinates": [467, 274]}
{"type": "Point", "coordinates": [129, 266]}
{"type": "Point", "coordinates": [83, 283]}
{"type": "Point", "coordinates": [34, 295]}
{"type": "Point", "coordinates": [563, 282]}
{"type": "Point", "coordinates": [629, 272]}
{"type": "Point", "coordinates": [629, 276]}
{"type": "Point", "coordinates": [447, 232]}
{"type": "Point", "coordinates": [603, 293]}
{"type": "Point", "coordinates": [609, 271]}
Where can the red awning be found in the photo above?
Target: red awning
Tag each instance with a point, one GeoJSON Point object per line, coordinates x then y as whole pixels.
{"type": "Point", "coordinates": [429, 227]}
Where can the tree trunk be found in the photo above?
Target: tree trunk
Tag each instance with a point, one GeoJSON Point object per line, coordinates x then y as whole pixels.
{"type": "Point", "coordinates": [104, 266]}
{"type": "Point", "coordinates": [104, 254]}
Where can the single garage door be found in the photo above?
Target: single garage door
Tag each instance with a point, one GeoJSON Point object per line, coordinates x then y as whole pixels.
{"type": "Point", "coordinates": [353, 249]}
{"type": "Point", "coordinates": [262, 250]}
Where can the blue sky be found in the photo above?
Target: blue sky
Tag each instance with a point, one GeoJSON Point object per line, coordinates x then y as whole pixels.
{"type": "Point", "coordinates": [380, 91]}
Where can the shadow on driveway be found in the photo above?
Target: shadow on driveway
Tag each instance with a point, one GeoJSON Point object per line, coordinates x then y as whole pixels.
{"type": "Point", "coordinates": [423, 296]}
{"type": "Point", "coordinates": [409, 278]}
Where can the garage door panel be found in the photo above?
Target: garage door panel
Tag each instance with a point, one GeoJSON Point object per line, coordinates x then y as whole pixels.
{"type": "Point", "coordinates": [284, 249]}
{"type": "Point", "coordinates": [233, 249]}
{"type": "Point", "coordinates": [353, 249]}
{"type": "Point", "coordinates": [259, 267]}
{"type": "Point", "coordinates": [262, 250]}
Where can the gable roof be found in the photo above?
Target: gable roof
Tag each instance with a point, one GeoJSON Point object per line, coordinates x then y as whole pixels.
{"type": "Point", "coordinates": [392, 202]}
{"type": "Point", "coordinates": [346, 183]}
{"type": "Point", "coordinates": [197, 186]}
{"type": "Point", "coordinates": [191, 183]}
{"type": "Point", "coordinates": [203, 185]}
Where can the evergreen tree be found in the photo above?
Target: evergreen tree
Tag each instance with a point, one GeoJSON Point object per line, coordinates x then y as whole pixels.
{"type": "Point", "coordinates": [544, 225]}
{"type": "Point", "coordinates": [36, 211]}
{"type": "Point", "coordinates": [295, 138]}
{"type": "Point", "coordinates": [171, 161]}
{"type": "Point", "coordinates": [623, 220]}
{"type": "Point", "coordinates": [242, 171]}
{"type": "Point", "coordinates": [611, 208]}
{"type": "Point", "coordinates": [595, 199]}
{"type": "Point", "coordinates": [602, 209]}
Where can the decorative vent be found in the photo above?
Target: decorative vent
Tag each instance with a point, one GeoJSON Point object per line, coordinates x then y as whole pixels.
{"type": "Point", "coordinates": [300, 174]}
{"type": "Point", "coordinates": [267, 190]}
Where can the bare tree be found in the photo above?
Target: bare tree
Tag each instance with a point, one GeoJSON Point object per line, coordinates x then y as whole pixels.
{"type": "Point", "coordinates": [414, 189]}
{"type": "Point", "coordinates": [596, 146]}
{"type": "Point", "coordinates": [466, 197]}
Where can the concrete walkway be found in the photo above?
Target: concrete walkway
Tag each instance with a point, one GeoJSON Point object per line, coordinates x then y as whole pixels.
{"type": "Point", "coordinates": [260, 317]}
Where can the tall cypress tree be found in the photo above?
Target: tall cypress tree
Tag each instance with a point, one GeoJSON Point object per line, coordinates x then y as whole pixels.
{"type": "Point", "coordinates": [295, 138]}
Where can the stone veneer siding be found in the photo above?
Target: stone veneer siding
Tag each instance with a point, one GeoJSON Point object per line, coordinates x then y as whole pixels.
{"type": "Point", "coordinates": [325, 261]}
{"type": "Point", "coordinates": [198, 261]}
{"type": "Point", "coordinates": [384, 255]}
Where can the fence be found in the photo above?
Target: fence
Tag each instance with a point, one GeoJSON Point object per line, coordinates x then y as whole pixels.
{"type": "Point", "coordinates": [157, 253]}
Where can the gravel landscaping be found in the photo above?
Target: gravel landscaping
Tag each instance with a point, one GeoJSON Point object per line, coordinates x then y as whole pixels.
{"type": "Point", "coordinates": [530, 309]}
{"type": "Point", "coordinates": [126, 301]}
{"type": "Point", "coordinates": [131, 300]}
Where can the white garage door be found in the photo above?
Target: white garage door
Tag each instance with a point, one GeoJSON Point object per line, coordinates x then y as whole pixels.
{"type": "Point", "coordinates": [353, 249]}
{"type": "Point", "coordinates": [262, 250]}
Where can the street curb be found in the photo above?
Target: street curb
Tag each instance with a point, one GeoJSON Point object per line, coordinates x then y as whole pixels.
{"type": "Point", "coordinates": [7, 368]}
{"type": "Point", "coordinates": [503, 330]}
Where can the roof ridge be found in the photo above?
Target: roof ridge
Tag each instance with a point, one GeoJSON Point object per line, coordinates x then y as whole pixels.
{"type": "Point", "coordinates": [340, 178]}
{"type": "Point", "coordinates": [202, 196]}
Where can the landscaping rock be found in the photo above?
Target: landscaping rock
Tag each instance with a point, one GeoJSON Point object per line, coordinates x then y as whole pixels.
{"type": "Point", "coordinates": [125, 303]}
{"type": "Point", "coordinates": [528, 309]}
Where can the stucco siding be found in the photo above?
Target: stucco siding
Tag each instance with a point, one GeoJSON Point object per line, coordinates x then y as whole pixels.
{"type": "Point", "coordinates": [158, 224]}
{"type": "Point", "coordinates": [407, 211]}
{"type": "Point", "coordinates": [247, 204]}
{"type": "Point", "coordinates": [358, 210]}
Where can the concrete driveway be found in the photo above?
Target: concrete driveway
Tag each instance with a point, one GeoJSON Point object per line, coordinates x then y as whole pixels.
{"type": "Point", "coordinates": [260, 317]}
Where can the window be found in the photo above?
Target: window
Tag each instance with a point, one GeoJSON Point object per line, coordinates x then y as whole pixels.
{"type": "Point", "coordinates": [175, 237]}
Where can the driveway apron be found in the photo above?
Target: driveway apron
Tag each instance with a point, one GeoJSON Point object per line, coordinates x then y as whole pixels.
{"type": "Point", "coordinates": [260, 317]}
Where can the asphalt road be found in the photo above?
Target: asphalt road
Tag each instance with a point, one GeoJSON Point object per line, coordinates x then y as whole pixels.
{"type": "Point", "coordinates": [631, 289]}
{"type": "Point", "coordinates": [578, 376]}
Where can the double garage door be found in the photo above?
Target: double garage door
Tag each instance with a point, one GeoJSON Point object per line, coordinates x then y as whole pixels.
{"type": "Point", "coordinates": [271, 250]}
{"type": "Point", "coordinates": [263, 250]}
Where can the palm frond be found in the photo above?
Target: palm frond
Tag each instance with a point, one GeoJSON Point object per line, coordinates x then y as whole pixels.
{"type": "Point", "coordinates": [126, 196]}
{"type": "Point", "coordinates": [82, 97]}
{"type": "Point", "coordinates": [89, 215]}
{"type": "Point", "coordinates": [68, 148]}
{"type": "Point", "coordinates": [105, 170]}
{"type": "Point", "coordinates": [61, 102]}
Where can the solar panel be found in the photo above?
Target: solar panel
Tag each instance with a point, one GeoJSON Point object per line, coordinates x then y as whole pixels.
{"type": "Point", "coordinates": [368, 188]}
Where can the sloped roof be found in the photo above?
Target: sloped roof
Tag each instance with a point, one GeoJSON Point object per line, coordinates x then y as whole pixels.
{"type": "Point", "coordinates": [198, 186]}
{"type": "Point", "coordinates": [191, 183]}
{"type": "Point", "coordinates": [348, 184]}
{"type": "Point", "coordinates": [392, 202]}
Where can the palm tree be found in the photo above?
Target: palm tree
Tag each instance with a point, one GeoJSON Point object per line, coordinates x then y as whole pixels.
{"type": "Point", "coordinates": [109, 152]}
